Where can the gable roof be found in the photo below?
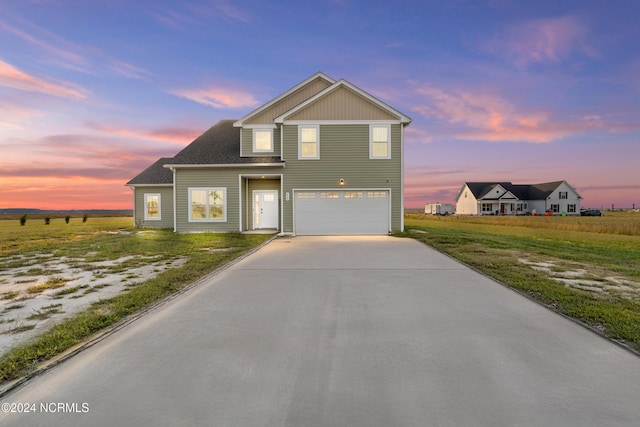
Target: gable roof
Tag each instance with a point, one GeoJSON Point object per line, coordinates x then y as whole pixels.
{"type": "Point", "coordinates": [521, 191]}
{"type": "Point", "coordinates": [357, 91]}
{"type": "Point", "coordinates": [291, 93]}
{"type": "Point", "coordinates": [219, 145]}
{"type": "Point", "coordinates": [156, 174]}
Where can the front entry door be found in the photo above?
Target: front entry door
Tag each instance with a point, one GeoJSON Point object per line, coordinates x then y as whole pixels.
{"type": "Point", "coordinates": [265, 209]}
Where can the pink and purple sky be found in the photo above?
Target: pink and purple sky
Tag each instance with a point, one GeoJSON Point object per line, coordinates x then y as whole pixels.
{"type": "Point", "coordinates": [93, 92]}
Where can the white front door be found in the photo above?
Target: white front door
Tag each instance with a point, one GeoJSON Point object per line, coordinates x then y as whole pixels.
{"type": "Point", "coordinates": [265, 209]}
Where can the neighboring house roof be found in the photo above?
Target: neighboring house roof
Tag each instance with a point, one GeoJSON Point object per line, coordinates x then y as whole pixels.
{"type": "Point", "coordinates": [481, 190]}
{"type": "Point", "coordinates": [156, 174]}
{"type": "Point", "coordinates": [219, 145]}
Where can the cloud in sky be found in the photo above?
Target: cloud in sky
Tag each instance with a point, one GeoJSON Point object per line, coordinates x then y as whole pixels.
{"type": "Point", "coordinates": [483, 115]}
{"type": "Point", "coordinates": [192, 13]}
{"type": "Point", "coordinates": [542, 41]}
{"type": "Point", "coordinates": [12, 77]}
{"type": "Point", "coordinates": [181, 135]}
{"type": "Point", "coordinates": [218, 97]}
{"type": "Point", "coordinates": [70, 55]}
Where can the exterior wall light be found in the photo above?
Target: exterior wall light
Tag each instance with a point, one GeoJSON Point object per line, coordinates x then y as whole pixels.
{"type": "Point", "coordinates": [341, 181]}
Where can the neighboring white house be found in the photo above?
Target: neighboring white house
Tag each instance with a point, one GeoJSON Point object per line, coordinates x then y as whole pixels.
{"type": "Point", "coordinates": [439, 209]}
{"type": "Point", "coordinates": [505, 198]}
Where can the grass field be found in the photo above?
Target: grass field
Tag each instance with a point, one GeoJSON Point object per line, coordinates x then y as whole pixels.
{"type": "Point", "coordinates": [97, 242]}
{"type": "Point", "coordinates": [587, 268]}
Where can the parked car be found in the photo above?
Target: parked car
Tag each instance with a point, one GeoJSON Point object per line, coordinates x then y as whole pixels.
{"type": "Point", "coordinates": [590, 212]}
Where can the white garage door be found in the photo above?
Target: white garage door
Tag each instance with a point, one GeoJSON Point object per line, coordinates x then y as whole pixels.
{"type": "Point", "coordinates": [341, 212]}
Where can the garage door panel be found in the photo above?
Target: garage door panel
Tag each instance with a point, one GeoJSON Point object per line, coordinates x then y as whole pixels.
{"type": "Point", "coordinates": [342, 212]}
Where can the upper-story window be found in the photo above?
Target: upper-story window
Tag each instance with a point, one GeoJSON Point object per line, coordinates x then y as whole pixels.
{"type": "Point", "coordinates": [309, 142]}
{"type": "Point", "coordinates": [380, 142]}
{"type": "Point", "coordinates": [262, 140]}
{"type": "Point", "coordinates": [563, 195]}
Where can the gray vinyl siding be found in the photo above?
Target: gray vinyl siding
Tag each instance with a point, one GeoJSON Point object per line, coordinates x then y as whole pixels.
{"type": "Point", "coordinates": [344, 154]}
{"type": "Point", "coordinates": [247, 144]}
{"type": "Point", "coordinates": [166, 207]}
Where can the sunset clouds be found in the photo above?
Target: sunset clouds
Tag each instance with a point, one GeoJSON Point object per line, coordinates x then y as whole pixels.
{"type": "Point", "coordinates": [550, 40]}
{"type": "Point", "coordinates": [13, 78]}
{"type": "Point", "coordinates": [218, 97]}
{"type": "Point", "coordinates": [91, 93]}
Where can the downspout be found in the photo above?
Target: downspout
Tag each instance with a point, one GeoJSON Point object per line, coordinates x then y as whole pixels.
{"type": "Point", "coordinates": [175, 204]}
{"type": "Point", "coordinates": [134, 206]}
{"type": "Point", "coordinates": [401, 177]}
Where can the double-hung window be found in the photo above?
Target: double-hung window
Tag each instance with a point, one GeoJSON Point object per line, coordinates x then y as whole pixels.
{"type": "Point", "coordinates": [309, 142]}
{"type": "Point", "coordinates": [152, 207]}
{"type": "Point", "coordinates": [262, 140]}
{"type": "Point", "coordinates": [208, 204]}
{"type": "Point", "coordinates": [380, 142]}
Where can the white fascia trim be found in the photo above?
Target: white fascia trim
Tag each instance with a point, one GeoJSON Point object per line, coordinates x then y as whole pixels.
{"type": "Point", "coordinates": [259, 127]}
{"type": "Point", "coordinates": [239, 123]}
{"type": "Point", "coordinates": [342, 122]}
{"type": "Point", "coordinates": [231, 165]}
{"type": "Point", "coordinates": [401, 117]}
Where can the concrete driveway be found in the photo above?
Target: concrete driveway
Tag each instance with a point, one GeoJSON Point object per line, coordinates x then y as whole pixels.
{"type": "Point", "coordinates": [343, 331]}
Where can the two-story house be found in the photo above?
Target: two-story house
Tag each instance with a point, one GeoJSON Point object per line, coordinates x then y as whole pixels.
{"type": "Point", "coordinates": [324, 157]}
{"type": "Point", "coordinates": [505, 198]}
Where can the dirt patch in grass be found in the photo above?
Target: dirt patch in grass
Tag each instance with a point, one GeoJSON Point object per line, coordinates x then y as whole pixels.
{"type": "Point", "coordinates": [586, 277]}
{"type": "Point", "coordinates": [76, 284]}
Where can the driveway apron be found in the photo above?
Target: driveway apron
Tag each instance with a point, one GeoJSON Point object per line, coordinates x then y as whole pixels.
{"type": "Point", "coordinates": [342, 331]}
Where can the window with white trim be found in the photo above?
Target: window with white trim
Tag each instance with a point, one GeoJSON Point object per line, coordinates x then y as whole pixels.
{"type": "Point", "coordinates": [152, 207]}
{"type": "Point", "coordinates": [380, 142]}
{"type": "Point", "coordinates": [208, 204]}
{"type": "Point", "coordinates": [571, 208]}
{"type": "Point", "coordinates": [487, 207]}
{"type": "Point", "coordinates": [308, 142]}
{"type": "Point", "coordinates": [263, 140]}
{"type": "Point", "coordinates": [555, 208]}
{"type": "Point", "coordinates": [563, 195]}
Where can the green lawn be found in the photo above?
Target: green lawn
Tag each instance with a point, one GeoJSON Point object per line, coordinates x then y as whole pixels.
{"type": "Point", "coordinates": [606, 251]}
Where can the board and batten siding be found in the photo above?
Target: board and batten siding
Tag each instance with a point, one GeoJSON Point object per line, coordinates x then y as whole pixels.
{"type": "Point", "coordinates": [344, 154]}
{"type": "Point", "coordinates": [342, 104]}
{"type": "Point", "coordinates": [287, 103]}
{"type": "Point", "coordinates": [247, 144]}
{"type": "Point", "coordinates": [166, 206]}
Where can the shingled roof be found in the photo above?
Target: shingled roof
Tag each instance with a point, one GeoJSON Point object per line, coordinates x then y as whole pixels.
{"type": "Point", "coordinates": [521, 191]}
{"type": "Point", "coordinates": [156, 174]}
{"type": "Point", "coordinates": [219, 145]}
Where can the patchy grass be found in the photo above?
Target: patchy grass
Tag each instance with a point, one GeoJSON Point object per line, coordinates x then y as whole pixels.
{"type": "Point", "coordinates": [496, 244]}
{"type": "Point", "coordinates": [13, 307]}
{"type": "Point", "coordinates": [9, 295]}
{"type": "Point", "coordinates": [114, 241]}
{"type": "Point", "coordinates": [51, 283]}
{"type": "Point", "coordinates": [19, 329]}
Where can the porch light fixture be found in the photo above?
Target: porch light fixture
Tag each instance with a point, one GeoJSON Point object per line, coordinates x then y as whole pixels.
{"type": "Point", "coordinates": [341, 181]}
